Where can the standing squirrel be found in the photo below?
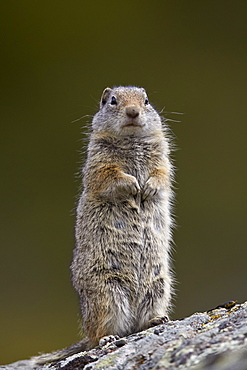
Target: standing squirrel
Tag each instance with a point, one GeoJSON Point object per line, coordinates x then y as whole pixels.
{"type": "Point", "coordinates": [120, 267]}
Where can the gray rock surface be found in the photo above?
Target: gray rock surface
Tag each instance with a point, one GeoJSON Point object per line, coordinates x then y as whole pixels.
{"type": "Point", "coordinates": [211, 340]}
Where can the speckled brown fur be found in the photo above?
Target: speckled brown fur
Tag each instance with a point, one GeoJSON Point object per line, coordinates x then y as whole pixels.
{"type": "Point", "coordinates": [121, 259]}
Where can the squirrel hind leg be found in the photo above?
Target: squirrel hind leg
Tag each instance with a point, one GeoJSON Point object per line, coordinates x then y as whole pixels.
{"type": "Point", "coordinates": [154, 307]}
{"type": "Point", "coordinates": [110, 315]}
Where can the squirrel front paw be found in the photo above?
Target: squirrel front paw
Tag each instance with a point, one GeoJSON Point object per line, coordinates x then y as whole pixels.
{"type": "Point", "coordinates": [150, 188]}
{"type": "Point", "coordinates": [128, 184]}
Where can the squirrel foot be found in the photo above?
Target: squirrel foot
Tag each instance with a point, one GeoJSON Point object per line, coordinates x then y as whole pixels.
{"type": "Point", "coordinates": [108, 339]}
{"type": "Point", "coordinates": [157, 321]}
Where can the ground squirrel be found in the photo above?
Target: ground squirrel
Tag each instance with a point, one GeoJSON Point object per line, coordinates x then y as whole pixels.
{"type": "Point", "coordinates": [121, 262]}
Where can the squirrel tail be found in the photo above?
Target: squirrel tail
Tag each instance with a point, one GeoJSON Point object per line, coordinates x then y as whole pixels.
{"type": "Point", "coordinates": [45, 358]}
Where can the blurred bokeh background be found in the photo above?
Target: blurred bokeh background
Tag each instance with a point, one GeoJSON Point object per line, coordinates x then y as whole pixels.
{"type": "Point", "coordinates": [56, 58]}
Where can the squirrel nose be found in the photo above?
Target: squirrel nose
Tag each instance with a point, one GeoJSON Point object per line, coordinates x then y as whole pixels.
{"type": "Point", "coordinates": [132, 111]}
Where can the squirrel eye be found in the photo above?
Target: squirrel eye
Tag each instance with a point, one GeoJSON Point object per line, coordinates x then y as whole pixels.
{"type": "Point", "coordinates": [113, 100]}
{"type": "Point", "coordinates": [146, 101]}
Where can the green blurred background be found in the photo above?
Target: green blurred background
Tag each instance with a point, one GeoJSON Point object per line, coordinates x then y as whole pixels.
{"type": "Point", "coordinates": [56, 58]}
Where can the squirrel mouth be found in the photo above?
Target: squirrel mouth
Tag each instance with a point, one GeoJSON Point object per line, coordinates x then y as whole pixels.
{"type": "Point", "coordinates": [133, 123]}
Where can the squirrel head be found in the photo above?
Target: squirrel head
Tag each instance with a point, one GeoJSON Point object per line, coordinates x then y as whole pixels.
{"type": "Point", "coordinates": [126, 111]}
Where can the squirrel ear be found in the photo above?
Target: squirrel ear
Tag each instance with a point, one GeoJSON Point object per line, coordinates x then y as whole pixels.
{"type": "Point", "coordinates": [105, 96]}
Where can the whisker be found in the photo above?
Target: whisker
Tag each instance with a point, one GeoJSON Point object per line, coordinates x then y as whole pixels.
{"type": "Point", "coordinates": [172, 120]}
{"type": "Point", "coordinates": [78, 119]}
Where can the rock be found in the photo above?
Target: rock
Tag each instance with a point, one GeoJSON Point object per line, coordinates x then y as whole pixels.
{"type": "Point", "coordinates": [216, 339]}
